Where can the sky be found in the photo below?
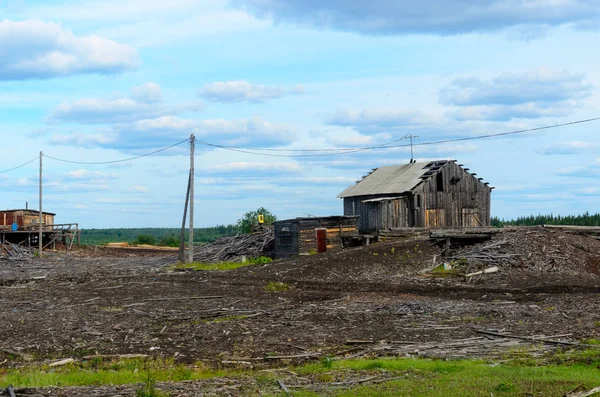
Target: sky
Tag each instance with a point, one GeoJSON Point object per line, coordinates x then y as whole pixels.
{"type": "Point", "coordinates": [282, 82]}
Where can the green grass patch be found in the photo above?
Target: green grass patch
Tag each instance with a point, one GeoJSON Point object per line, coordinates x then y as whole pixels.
{"type": "Point", "coordinates": [422, 377]}
{"type": "Point", "coordinates": [102, 372]}
{"type": "Point", "coordinates": [277, 286]}
{"type": "Point", "coordinates": [222, 266]}
{"type": "Point", "coordinates": [412, 376]}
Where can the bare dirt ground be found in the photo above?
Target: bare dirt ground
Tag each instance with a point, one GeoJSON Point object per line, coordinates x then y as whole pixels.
{"type": "Point", "coordinates": [122, 302]}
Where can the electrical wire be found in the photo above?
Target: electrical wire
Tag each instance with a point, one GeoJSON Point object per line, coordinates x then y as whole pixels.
{"type": "Point", "coordinates": [118, 161]}
{"type": "Point", "coordinates": [254, 151]}
{"type": "Point", "coordinates": [19, 166]}
{"type": "Point", "coordinates": [470, 138]}
{"type": "Point", "coordinates": [309, 152]}
{"type": "Point", "coordinates": [388, 145]}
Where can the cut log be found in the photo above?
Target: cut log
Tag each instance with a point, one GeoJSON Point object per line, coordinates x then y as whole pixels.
{"type": "Point", "coordinates": [493, 269]}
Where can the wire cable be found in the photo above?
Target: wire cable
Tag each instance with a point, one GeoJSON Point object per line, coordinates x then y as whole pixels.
{"type": "Point", "coordinates": [19, 166]}
{"type": "Point", "coordinates": [387, 145]}
{"type": "Point", "coordinates": [470, 138]}
{"type": "Point", "coordinates": [121, 160]}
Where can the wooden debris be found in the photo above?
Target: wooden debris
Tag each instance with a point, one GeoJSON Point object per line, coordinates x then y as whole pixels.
{"type": "Point", "coordinates": [60, 363]}
{"type": "Point", "coordinates": [24, 356]}
{"type": "Point", "coordinates": [587, 393]}
{"type": "Point", "coordinates": [493, 269]}
{"type": "Point", "coordinates": [115, 356]}
{"type": "Point", "coordinates": [534, 339]}
{"type": "Point", "coordinates": [232, 249]}
{"type": "Point", "coordinates": [284, 387]}
{"type": "Point", "coordinates": [184, 298]}
{"type": "Point", "coordinates": [15, 251]}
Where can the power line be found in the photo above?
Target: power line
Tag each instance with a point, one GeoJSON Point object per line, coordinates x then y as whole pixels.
{"type": "Point", "coordinates": [118, 161]}
{"type": "Point", "coordinates": [254, 151]}
{"type": "Point", "coordinates": [19, 166]}
{"type": "Point", "coordinates": [388, 145]}
{"type": "Point", "coordinates": [470, 138]}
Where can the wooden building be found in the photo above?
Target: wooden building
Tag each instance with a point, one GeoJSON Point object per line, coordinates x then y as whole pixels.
{"type": "Point", "coordinates": [24, 219]}
{"type": "Point", "coordinates": [22, 227]}
{"type": "Point", "coordinates": [300, 235]}
{"type": "Point", "coordinates": [419, 194]}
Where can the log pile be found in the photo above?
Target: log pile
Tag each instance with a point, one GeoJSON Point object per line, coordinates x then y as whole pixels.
{"type": "Point", "coordinates": [490, 253]}
{"type": "Point", "coordinates": [233, 249]}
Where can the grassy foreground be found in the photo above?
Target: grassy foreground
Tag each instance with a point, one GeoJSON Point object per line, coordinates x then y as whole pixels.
{"type": "Point", "coordinates": [411, 377]}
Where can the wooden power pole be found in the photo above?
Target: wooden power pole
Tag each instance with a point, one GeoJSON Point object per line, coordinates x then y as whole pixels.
{"type": "Point", "coordinates": [191, 244]}
{"type": "Point", "coordinates": [41, 213]}
{"type": "Point", "coordinates": [182, 233]}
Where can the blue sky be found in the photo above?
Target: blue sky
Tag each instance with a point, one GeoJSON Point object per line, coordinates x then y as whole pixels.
{"type": "Point", "coordinates": [96, 81]}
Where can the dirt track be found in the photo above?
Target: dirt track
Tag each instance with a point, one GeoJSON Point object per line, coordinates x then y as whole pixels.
{"type": "Point", "coordinates": [74, 306]}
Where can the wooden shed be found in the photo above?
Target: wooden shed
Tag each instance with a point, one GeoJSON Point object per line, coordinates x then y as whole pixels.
{"type": "Point", "coordinates": [299, 236]}
{"type": "Point", "coordinates": [419, 194]}
{"type": "Point", "coordinates": [24, 219]}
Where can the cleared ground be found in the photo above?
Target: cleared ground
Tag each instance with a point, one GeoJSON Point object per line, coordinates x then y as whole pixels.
{"type": "Point", "coordinates": [365, 302]}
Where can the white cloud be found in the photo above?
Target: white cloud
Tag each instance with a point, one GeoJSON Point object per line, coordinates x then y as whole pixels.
{"type": "Point", "coordinates": [83, 174]}
{"type": "Point", "coordinates": [571, 147]}
{"type": "Point", "coordinates": [537, 94]}
{"type": "Point", "coordinates": [34, 49]}
{"type": "Point", "coordinates": [540, 86]}
{"type": "Point", "coordinates": [379, 117]}
{"type": "Point", "coordinates": [138, 189]}
{"type": "Point", "coordinates": [83, 140]}
{"type": "Point", "coordinates": [243, 166]}
{"type": "Point", "coordinates": [440, 17]}
{"type": "Point", "coordinates": [144, 102]}
{"type": "Point", "coordinates": [111, 200]}
{"type": "Point", "coordinates": [253, 132]}
{"type": "Point", "coordinates": [143, 23]}
{"type": "Point", "coordinates": [147, 93]}
{"type": "Point", "coordinates": [243, 91]}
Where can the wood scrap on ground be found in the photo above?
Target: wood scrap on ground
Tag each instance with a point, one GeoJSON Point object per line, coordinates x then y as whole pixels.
{"type": "Point", "coordinates": [234, 249]}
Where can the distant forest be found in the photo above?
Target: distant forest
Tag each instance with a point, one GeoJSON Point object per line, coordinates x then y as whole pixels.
{"type": "Point", "coordinates": [170, 236]}
{"type": "Point", "coordinates": [572, 220]}
{"type": "Point", "coordinates": [163, 236]}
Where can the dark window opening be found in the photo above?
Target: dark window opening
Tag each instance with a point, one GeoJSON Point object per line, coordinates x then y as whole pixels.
{"type": "Point", "coordinates": [285, 236]}
{"type": "Point", "coordinates": [440, 181]}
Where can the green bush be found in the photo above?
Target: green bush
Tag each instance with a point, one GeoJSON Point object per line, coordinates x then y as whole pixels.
{"type": "Point", "coordinates": [170, 241]}
{"type": "Point", "coordinates": [145, 239]}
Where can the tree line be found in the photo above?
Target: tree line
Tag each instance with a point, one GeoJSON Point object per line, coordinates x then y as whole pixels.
{"type": "Point", "coordinates": [170, 236]}
{"type": "Point", "coordinates": [585, 219]}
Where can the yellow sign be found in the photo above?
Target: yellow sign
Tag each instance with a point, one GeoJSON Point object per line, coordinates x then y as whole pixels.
{"type": "Point", "coordinates": [261, 219]}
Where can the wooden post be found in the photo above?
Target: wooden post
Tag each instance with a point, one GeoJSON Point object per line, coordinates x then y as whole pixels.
{"type": "Point", "coordinates": [41, 213]}
{"type": "Point", "coordinates": [182, 233]}
{"type": "Point", "coordinates": [191, 243]}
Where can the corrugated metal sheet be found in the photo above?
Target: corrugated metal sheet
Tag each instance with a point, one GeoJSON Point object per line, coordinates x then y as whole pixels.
{"type": "Point", "coordinates": [393, 179]}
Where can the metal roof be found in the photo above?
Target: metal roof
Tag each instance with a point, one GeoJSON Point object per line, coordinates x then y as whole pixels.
{"type": "Point", "coordinates": [28, 210]}
{"type": "Point", "coordinates": [394, 179]}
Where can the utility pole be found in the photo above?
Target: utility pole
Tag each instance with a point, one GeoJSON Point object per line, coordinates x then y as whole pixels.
{"type": "Point", "coordinates": [182, 234]}
{"type": "Point", "coordinates": [41, 213]}
{"type": "Point", "coordinates": [191, 244]}
{"type": "Point", "coordinates": [411, 136]}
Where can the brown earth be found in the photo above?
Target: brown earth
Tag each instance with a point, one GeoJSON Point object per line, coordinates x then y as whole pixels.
{"type": "Point", "coordinates": [87, 303]}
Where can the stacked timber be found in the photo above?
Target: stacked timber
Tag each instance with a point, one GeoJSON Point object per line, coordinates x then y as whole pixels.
{"type": "Point", "coordinates": [234, 249]}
